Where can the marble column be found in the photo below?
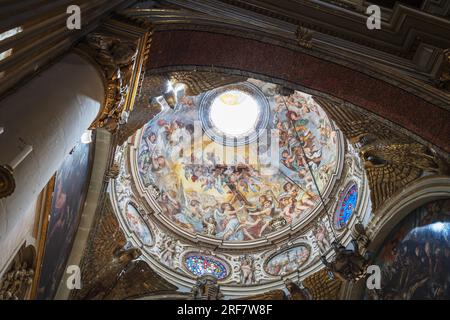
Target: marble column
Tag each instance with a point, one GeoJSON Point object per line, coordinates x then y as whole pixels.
{"type": "Point", "coordinates": [42, 121]}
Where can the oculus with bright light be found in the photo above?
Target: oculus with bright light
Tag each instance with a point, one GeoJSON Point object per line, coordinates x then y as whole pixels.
{"type": "Point", "coordinates": [234, 115]}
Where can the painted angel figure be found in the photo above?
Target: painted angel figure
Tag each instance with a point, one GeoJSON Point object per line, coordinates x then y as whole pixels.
{"type": "Point", "coordinates": [152, 144]}
{"type": "Point", "coordinates": [264, 215]}
{"type": "Point", "coordinates": [247, 270]}
{"type": "Point", "coordinates": [249, 182]}
{"type": "Point", "coordinates": [228, 215]}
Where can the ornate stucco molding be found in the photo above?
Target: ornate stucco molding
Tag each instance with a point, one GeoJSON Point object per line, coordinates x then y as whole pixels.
{"type": "Point", "coordinates": [412, 73]}
{"type": "Point", "coordinates": [154, 88]}
{"type": "Point", "coordinates": [443, 76]}
{"type": "Point", "coordinates": [245, 279]}
{"type": "Point", "coordinates": [111, 267]}
{"type": "Point", "coordinates": [49, 28]}
{"type": "Point", "coordinates": [304, 37]}
{"type": "Point", "coordinates": [15, 284]}
{"type": "Point", "coordinates": [116, 58]}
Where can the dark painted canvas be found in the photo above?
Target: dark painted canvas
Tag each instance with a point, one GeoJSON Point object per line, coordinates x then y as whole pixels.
{"type": "Point", "coordinates": [415, 257]}
{"type": "Point", "coordinates": [69, 195]}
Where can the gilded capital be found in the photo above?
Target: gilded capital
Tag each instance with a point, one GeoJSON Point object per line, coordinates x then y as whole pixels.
{"type": "Point", "coordinates": [115, 58]}
{"type": "Point", "coordinates": [119, 50]}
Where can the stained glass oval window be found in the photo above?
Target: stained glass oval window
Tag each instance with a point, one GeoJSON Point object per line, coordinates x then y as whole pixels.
{"type": "Point", "coordinates": [347, 205]}
{"type": "Point", "coordinates": [201, 265]}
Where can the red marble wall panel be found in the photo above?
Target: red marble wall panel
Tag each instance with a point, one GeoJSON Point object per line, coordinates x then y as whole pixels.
{"type": "Point", "coordinates": [187, 48]}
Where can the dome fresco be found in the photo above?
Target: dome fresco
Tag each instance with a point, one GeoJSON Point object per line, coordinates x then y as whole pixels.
{"type": "Point", "coordinates": [235, 199]}
{"type": "Point", "coordinates": [243, 191]}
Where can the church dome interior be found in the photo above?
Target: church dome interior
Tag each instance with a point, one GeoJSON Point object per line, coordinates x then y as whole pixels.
{"type": "Point", "coordinates": [223, 201]}
{"type": "Point", "coordinates": [225, 150]}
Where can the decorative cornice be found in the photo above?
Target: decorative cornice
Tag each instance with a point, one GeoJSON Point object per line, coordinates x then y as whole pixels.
{"type": "Point", "coordinates": [110, 268]}
{"type": "Point", "coordinates": [336, 21]}
{"type": "Point", "coordinates": [408, 50]}
{"type": "Point", "coordinates": [46, 37]}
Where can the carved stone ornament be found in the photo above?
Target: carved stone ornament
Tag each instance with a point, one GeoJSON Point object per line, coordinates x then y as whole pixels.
{"type": "Point", "coordinates": [116, 58]}
{"type": "Point", "coordinates": [347, 265]}
{"type": "Point", "coordinates": [7, 183]}
{"type": "Point", "coordinates": [297, 292]}
{"type": "Point", "coordinates": [113, 172]}
{"type": "Point", "coordinates": [443, 80]}
{"type": "Point", "coordinates": [16, 282]}
{"type": "Point", "coordinates": [361, 235]}
{"type": "Point", "coordinates": [206, 288]}
{"type": "Point", "coordinates": [278, 223]}
{"type": "Point", "coordinates": [304, 37]}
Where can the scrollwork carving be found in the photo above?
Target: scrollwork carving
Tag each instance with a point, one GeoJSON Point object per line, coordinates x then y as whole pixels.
{"type": "Point", "coordinates": [443, 76]}
{"type": "Point", "coordinates": [206, 288]}
{"type": "Point", "coordinates": [347, 265]}
{"type": "Point", "coordinates": [116, 58]}
{"type": "Point", "coordinates": [15, 283]}
{"type": "Point", "coordinates": [304, 37]}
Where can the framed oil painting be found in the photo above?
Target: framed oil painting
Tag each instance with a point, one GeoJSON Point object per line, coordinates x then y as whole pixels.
{"type": "Point", "coordinates": [69, 196]}
{"type": "Point", "coordinates": [415, 257]}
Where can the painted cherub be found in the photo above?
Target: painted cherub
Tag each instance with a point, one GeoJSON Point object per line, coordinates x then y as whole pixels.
{"type": "Point", "coordinates": [290, 188]}
{"type": "Point", "coordinates": [299, 209]}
